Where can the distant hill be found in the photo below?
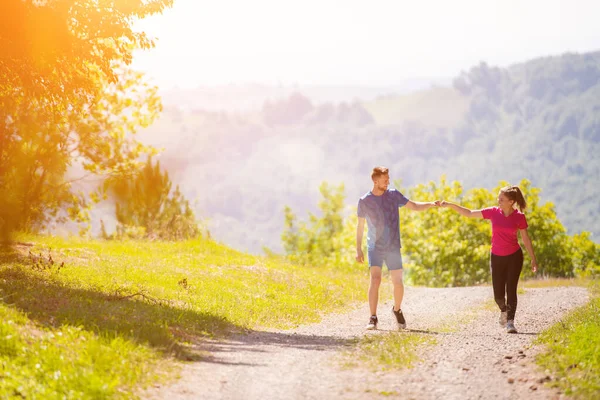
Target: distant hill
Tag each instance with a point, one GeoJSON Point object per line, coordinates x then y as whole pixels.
{"type": "Point", "coordinates": [441, 107]}
{"type": "Point", "coordinates": [251, 97]}
{"type": "Point", "coordinates": [538, 120]}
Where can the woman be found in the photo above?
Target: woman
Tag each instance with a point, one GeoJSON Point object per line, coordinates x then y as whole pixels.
{"type": "Point", "coordinates": [506, 254]}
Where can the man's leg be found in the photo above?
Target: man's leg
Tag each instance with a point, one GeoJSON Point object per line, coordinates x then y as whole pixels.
{"type": "Point", "coordinates": [393, 260]}
{"type": "Point", "coordinates": [394, 263]}
{"type": "Point", "coordinates": [374, 288]}
{"type": "Point", "coordinates": [396, 275]}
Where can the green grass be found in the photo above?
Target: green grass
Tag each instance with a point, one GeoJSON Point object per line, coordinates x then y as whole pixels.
{"type": "Point", "coordinates": [387, 351]}
{"type": "Point", "coordinates": [553, 282]}
{"type": "Point", "coordinates": [388, 393]}
{"type": "Point", "coordinates": [69, 362]}
{"type": "Point", "coordinates": [118, 315]}
{"type": "Point", "coordinates": [573, 350]}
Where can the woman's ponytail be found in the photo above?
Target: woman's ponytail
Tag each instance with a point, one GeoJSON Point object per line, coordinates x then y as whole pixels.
{"type": "Point", "coordinates": [514, 193]}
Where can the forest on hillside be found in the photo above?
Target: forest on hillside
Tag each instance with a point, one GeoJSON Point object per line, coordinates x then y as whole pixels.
{"type": "Point", "coordinates": [538, 121]}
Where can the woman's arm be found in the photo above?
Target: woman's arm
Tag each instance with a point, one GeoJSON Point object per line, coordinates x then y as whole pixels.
{"type": "Point", "coordinates": [465, 212]}
{"type": "Point", "coordinates": [529, 248]}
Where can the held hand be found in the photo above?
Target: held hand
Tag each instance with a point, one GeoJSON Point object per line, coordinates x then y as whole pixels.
{"type": "Point", "coordinates": [360, 256]}
{"type": "Point", "coordinates": [443, 203]}
{"type": "Point", "coordinates": [437, 203]}
{"type": "Point", "coordinates": [534, 266]}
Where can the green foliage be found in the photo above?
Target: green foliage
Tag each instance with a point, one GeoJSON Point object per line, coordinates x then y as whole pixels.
{"type": "Point", "coordinates": [551, 243]}
{"type": "Point", "coordinates": [61, 48]}
{"type": "Point", "coordinates": [146, 206]}
{"type": "Point", "coordinates": [67, 99]}
{"type": "Point", "coordinates": [443, 248]}
{"type": "Point", "coordinates": [585, 256]}
{"type": "Point", "coordinates": [446, 249]}
{"type": "Point", "coordinates": [329, 239]}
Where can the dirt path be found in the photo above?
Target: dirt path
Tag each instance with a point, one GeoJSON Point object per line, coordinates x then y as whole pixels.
{"type": "Point", "coordinates": [477, 361]}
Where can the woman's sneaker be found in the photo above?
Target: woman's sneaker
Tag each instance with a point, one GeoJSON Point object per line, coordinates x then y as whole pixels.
{"type": "Point", "coordinates": [503, 318]}
{"type": "Point", "coordinates": [399, 318]}
{"type": "Point", "coordinates": [372, 323]}
{"type": "Point", "coordinates": [510, 327]}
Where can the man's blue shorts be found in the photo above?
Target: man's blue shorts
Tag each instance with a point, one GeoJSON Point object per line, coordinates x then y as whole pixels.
{"type": "Point", "coordinates": [392, 259]}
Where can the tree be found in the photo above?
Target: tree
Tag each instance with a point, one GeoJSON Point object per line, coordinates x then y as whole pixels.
{"type": "Point", "coordinates": [145, 200]}
{"type": "Point", "coordinates": [289, 237]}
{"type": "Point", "coordinates": [320, 239]}
{"type": "Point", "coordinates": [585, 256]}
{"type": "Point", "coordinates": [67, 97]}
{"type": "Point", "coordinates": [443, 248]}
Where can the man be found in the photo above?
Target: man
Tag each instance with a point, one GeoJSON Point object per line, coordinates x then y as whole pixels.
{"type": "Point", "coordinates": [380, 208]}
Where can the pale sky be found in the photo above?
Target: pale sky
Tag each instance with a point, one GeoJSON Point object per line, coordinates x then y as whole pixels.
{"type": "Point", "coordinates": [347, 42]}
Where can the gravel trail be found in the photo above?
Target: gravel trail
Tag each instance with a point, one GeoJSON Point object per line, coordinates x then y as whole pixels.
{"type": "Point", "coordinates": [477, 359]}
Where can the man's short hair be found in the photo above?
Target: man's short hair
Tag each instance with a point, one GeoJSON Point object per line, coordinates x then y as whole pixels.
{"type": "Point", "coordinates": [379, 171]}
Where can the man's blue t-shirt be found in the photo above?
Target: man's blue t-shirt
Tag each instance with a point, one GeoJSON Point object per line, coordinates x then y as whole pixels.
{"type": "Point", "coordinates": [382, 217]}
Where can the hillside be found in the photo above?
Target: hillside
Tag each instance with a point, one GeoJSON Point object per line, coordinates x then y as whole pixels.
{"type": "Point", "coordinates": [102, 319]}
{"type": "Point", "coordinates": [537, 120]}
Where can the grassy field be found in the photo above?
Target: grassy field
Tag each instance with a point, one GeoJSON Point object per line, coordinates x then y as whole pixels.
{"type": "Point", "coordinates": [117, 315]}
{"type": "Point", "coordinates": [572, 353]}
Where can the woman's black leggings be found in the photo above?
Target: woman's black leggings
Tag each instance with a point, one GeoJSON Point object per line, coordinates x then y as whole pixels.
{"type": "Point", "coordinates": [505, 278]}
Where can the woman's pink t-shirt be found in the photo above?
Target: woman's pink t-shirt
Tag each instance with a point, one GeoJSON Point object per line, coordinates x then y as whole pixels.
{"type": "Point", "coordinates": [504, 230]}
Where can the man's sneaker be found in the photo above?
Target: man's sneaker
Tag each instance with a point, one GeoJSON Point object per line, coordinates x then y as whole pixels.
{"type": "Point", "coordinates": [372, 323]}
{"type": "Point", "coordinates": [510, 327]}
{"type": "Point", "coordinates": [503, 319]}
{"type": "Point", "coordinates": [399, 318]}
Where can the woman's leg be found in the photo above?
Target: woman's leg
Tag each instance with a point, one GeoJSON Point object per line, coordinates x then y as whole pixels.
{"type": "Point", "coordinates": [514, 267]}
{"type": "Point", "coordinates": [499, 275]}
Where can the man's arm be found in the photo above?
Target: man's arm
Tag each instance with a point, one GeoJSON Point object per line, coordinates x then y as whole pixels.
{"type": "Point", "coordinates": [360, 227]}
{"type": "Point", "coordinates": [419, 206]}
